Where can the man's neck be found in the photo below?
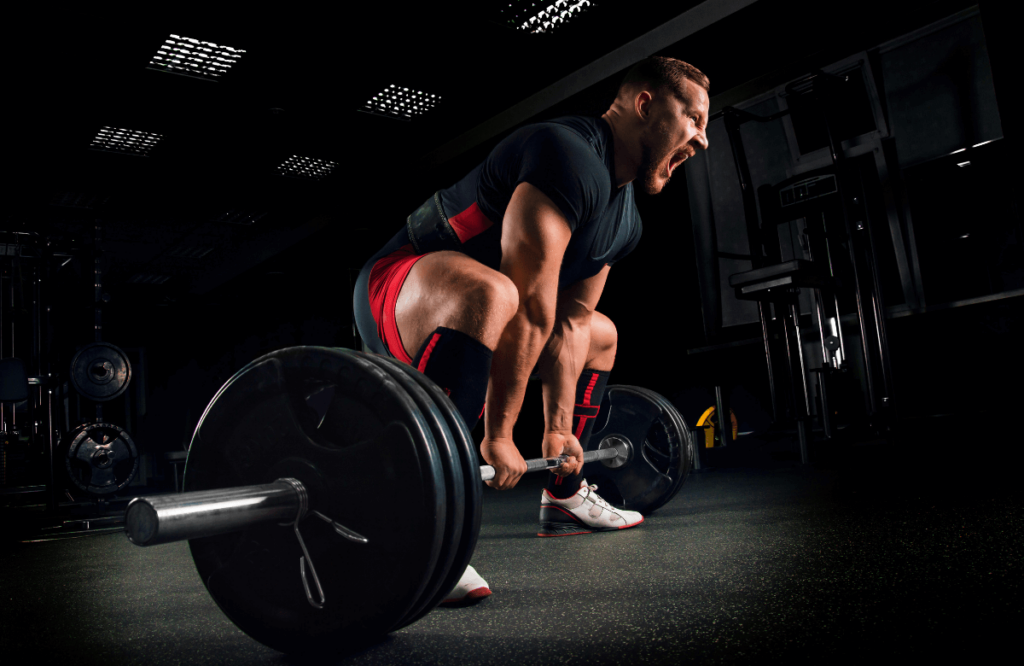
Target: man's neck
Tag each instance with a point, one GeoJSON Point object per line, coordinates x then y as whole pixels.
{"type": "Point", "coordinates": [625, 169]}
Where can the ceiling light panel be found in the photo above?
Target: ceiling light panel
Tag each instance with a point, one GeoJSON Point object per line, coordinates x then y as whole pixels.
{"type": "Point", "coordinates": [128, 142]}
{"type": "Point", "coordinates": [306, 167]}
{"type": "Point", "coordinates": [541, 17]}
{"type": "Point", "coordinates": [401, 103]}
{"type": "Point", "coordinates": [192, 57]}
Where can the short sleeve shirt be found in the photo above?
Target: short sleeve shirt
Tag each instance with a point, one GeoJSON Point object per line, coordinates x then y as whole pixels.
{"type": "Point", "coordinates": [570, 160]}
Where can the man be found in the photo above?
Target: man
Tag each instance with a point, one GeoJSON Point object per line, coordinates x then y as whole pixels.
{"type": "Point", "coordinates": [499, 276]}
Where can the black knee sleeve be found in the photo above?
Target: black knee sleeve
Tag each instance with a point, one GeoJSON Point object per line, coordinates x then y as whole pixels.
{"type": "Point", "coordinates": [460, 365]}
{"type": "Point", "coordinates": [589, 393]}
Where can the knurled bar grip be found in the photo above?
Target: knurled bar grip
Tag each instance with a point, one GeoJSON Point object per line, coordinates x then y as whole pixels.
{"type": "Point", "coordinates": [150, 521]}
{"type": "Point", "coordinates": [538, 464]}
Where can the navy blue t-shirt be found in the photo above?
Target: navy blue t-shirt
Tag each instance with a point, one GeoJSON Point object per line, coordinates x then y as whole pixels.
{"type": "Point", "coordinates": [570, 160]}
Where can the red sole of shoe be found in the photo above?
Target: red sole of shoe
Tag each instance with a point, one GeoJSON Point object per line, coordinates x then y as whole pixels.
{"type": "Point", "coordinates": [623, 527]}
{"type": "Point", "coordinates": [472, 595]}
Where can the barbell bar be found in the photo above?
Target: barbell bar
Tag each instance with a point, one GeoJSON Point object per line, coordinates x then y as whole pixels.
{"type": "Point", "coordinates": [151, 521]}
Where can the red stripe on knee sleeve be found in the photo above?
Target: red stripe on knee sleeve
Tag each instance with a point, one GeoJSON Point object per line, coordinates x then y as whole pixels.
{"type": "Point", "coordinates": [426, 352]}
{"type": "Point", "coordinates": [590, 389]}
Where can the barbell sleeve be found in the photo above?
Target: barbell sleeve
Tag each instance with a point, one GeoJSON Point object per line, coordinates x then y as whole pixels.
{"type": "Point", "coordinates": [150, 521]}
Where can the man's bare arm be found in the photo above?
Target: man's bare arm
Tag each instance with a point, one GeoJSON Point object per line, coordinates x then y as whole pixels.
{"type": "Point", "coordinates": [533, 241]}
{"type": "Point", "coordinates": [565, 354]}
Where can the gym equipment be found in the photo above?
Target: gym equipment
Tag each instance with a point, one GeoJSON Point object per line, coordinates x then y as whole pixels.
{"type": "Point", "coordinates": [380, 456]}
{"type": "Point", "coordinates": [101, 458]}
{"type": "Point", "coordinates": [100, 371]}
{"type": "Point", "coordinates": [708, 422]}
{"type": "Point", "coordinates": [13, 380]}
{"type": "Point", "coordinates": [656, 436]}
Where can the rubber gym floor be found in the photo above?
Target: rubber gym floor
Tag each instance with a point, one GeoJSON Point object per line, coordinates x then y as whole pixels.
{"type": "Point", "coordinates": [872, 554]}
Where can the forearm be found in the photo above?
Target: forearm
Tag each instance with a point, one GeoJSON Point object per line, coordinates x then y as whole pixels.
{"type": "Point", "coordinates": [514, 358]}
{"type": "Point", "coordinates": [561, 363]}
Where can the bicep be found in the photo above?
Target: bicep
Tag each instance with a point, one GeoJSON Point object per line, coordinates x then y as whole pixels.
{"type": "Point", "coordinates": [534, 236]}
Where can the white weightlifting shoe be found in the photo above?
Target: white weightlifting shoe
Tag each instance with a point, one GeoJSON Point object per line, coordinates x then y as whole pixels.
{"type": "Point", "coordinates": [471, 588]}
{"type": "Point", "coordinates": [583, 513]}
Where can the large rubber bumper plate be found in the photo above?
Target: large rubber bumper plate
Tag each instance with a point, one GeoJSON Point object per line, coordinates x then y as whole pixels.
{"type": "Point", "coordinates": [452, 467]}
{"type": "Point", "coordinates": [470, 460]}
{"type": "Point", "coordinates": [368, 459]}
{"type": "Point", "coordinates": [660, 443]}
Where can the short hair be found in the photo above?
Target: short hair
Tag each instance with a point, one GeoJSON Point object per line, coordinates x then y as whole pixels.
{"type": "Point", "coordinates": [659, 72]}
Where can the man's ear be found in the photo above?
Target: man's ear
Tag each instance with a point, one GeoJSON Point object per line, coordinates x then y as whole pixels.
{"type": "Point", "coordinates": [642, 104]}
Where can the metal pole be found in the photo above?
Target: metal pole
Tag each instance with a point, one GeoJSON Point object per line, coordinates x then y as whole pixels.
{"type": "Point", "coordinates": [724, 420]}
{"type": "Point", "coordinates": [878, 306]}
{"type": "Point", "coordinates": [98, 300]}
{"type": "Point", "coordinates": [768, 356]}
{"type": "Point", "coordinates": [837, 159]}
{"type": "Point", "coordinates": [3, 411]}
{"type": "Point", "coordinates": [46, 374]}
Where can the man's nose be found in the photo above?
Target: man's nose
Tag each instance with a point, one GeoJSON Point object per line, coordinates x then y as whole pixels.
{"type": "Point", "coordinates": [700, 140]}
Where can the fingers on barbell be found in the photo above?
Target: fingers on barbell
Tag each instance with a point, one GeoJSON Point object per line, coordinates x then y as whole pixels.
{"type": "Point", "coordinates": [499, 482]}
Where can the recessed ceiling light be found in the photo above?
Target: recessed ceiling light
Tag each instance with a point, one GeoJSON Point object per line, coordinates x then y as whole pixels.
{"type": "Point", "coordinates": [400, 102]}
{"type": "Point", "coordinates": [540, 17]}
{"type": "Point", "coordinates": [192, 57]}
{"type": "Point", "coordinates": [129, 142]}
{"type": "Point", "coordinates": [306, 167]}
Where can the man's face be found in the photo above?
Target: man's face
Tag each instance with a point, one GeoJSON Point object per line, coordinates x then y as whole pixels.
{"type": "Point", "coordinates": [674, 133]}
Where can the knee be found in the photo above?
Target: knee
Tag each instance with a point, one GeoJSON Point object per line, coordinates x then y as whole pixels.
{"type": "Point", "coordinates": [604, 340]}
{"type": "Point", "coordinates": [495, 296]}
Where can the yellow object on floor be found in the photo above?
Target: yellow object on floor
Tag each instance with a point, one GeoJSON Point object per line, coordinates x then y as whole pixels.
{"type": "Point", "coordinates": [708, 422]}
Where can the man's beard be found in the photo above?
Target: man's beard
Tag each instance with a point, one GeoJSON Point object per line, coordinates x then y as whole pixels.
{"type": "Point", "coordinates": [647, 172]}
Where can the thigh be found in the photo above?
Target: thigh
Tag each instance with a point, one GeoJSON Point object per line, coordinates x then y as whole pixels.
{"type": "Point", "coordinates": [377, 290]}
{"type": "Point", "coordinates": [453, 290]}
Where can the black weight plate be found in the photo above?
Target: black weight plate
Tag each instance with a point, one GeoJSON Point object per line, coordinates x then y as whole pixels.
{"type": "Point", "coordinates": [101, 458]}
{"type": "Point", "coordinates": [368, 459]}
{"type": "Point", "coordinates": [683, 434]}
{"type": "Point", "coordinates": [452, 466]}
{"type": "Point", "coordinates": [470, 460]}
{"type": "Point", "coordinates": [100, 371]}
{"type": "Point", "coordinates": [648, 480]}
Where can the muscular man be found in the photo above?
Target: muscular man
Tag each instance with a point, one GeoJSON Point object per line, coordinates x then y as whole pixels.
{"type": "Point", "coordinates": [498, 277]}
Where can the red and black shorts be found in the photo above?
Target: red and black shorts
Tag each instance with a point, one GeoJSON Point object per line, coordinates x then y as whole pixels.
{"type": "Point", "coordinates": [381, 279]}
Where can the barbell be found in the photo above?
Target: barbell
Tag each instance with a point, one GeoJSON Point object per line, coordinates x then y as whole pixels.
{"type": "Point", "coordinates": [379, 455]}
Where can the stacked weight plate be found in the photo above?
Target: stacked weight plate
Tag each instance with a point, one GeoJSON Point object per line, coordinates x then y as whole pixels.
{"type": "Point", "coordinates": [361, 438]}
{"type": "Point", "coordinates": [462, 478]}
{"type": "Point", "coordinates": [661, 449]}
{"type": "Point", "coordinates": [679, 434]}
{"type": "Point", "coordinates": [382, 451]}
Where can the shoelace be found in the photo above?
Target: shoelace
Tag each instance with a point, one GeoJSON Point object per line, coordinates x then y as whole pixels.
{"type": "Point", "coordinates": [597, 499]}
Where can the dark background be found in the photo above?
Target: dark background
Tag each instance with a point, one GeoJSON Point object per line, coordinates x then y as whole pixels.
{"type": "Point", "coordinates": [235, 291]}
